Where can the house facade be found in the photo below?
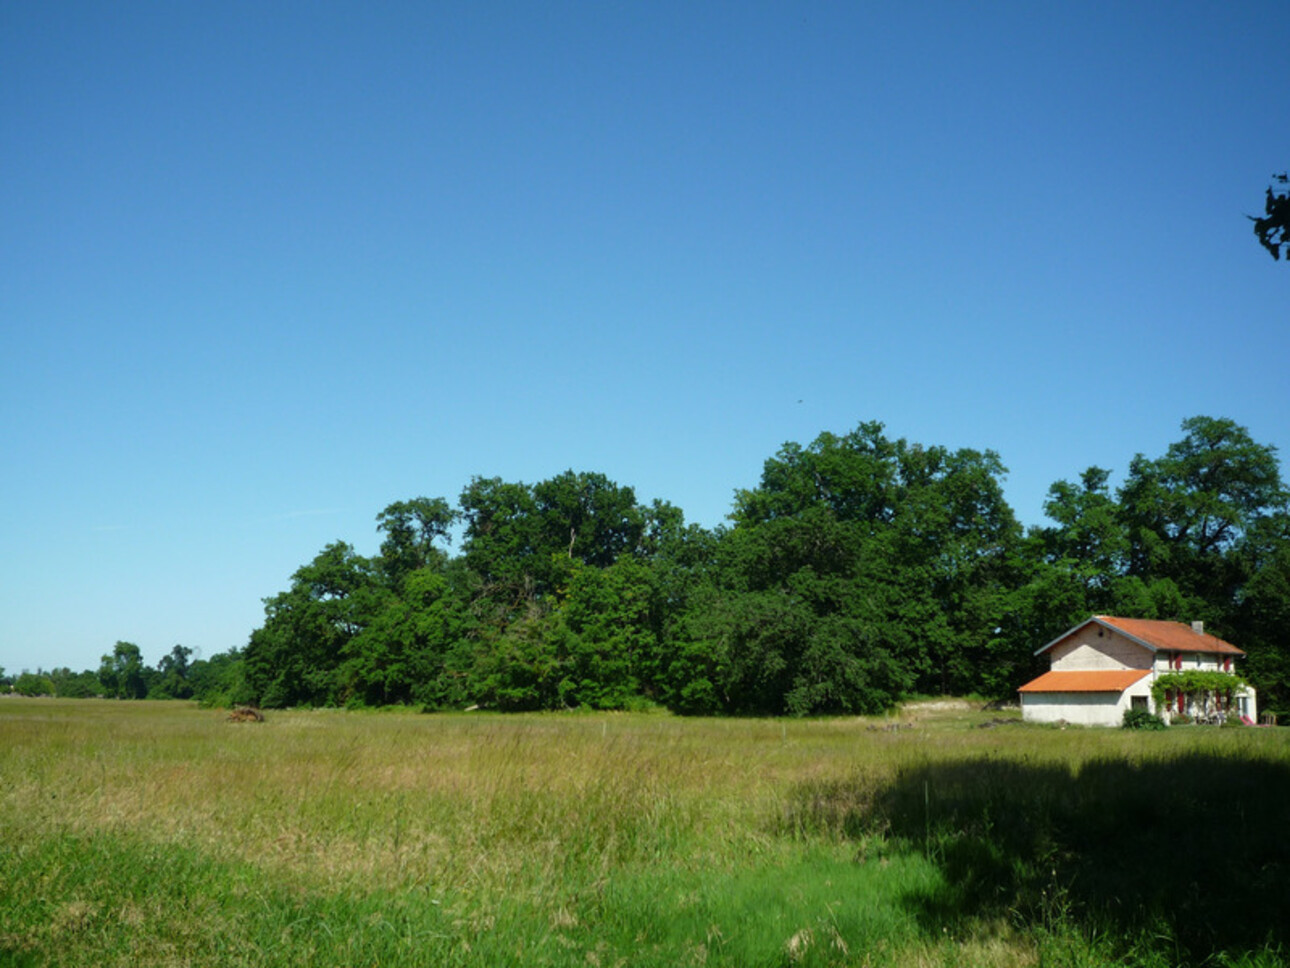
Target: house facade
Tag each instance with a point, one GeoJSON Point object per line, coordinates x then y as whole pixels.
{"type": "Point", "coordinates": [1107, 665]}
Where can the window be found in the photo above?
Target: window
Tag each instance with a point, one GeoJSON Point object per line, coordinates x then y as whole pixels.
{"type": "Point", "coordinates": [1138, 703]}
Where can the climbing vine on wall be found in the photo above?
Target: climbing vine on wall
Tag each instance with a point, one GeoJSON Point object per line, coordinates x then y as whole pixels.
{"type": "Point", "coordinates": [1196, 682]}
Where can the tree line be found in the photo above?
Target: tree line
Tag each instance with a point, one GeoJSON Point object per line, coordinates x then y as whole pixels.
{"type": "Point", "coordinates": [858, 571]}
{"type": "Point", "coordinates": [122, 674]}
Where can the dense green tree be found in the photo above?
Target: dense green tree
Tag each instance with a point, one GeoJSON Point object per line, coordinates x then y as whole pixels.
{"type": "Point", "coordinates": [682, 562]}
{"type": "Point", "coordinates": [34, 684]}
{"type": "Point", "coordinates": [1078, 565]}
{"type": "Point", "coordinates": [501, 542]}
{"type": "Point", "coordinates": [1260, 615]}
{"type": "Point", "coordinates": [514, 532]}
{"type": "Point", "coordinates": [588, 517]}
{"type": "Point", "coordinates": [295, 657]}
{"type": "Point", "coordinates": [520, 666]}
{"type": "Point", "coordinates": [862, 568]}
{"type": "Point", "coordinates": [221, 680]}
{"type": "Point", "coordinates": [415, 647]}
{"type": "Point", "coordinates": [1088, 539]}
{"type": "Point", "coordinates": [171, 681]}
{"type": "Point", "coordinates": [593, 643]}
{"type": "Point", "coordinates": [411, 529]}
{"type": "Point", "coordinates": [75, 685]}
{"type": "Point", "coordinates": [1187, 513]}
{"type": "Point", "coordinates": [613, 638]}
{"type": "Point", "coordinates": [957, 538]}
{"type": "Point", "coordinates": [123, 673]}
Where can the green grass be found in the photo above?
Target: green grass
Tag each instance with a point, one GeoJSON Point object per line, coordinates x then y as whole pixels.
{"type": "Point", "coordinates": [159, 834]}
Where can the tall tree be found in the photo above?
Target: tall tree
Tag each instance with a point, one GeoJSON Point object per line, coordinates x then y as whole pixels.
{"type": "Point", "coordinates": [1188, 511]}
{"type": "Point", "coordinates": [1260, 615]}
{"type": "Point", "coordinates": [1082, 561]}
{"type": "Point", "coordinates": [1088, 538]}
{"type": "Point", "coordinates": [411, 530]}
{"type": "Point", "coordinates": [1210, 521]}
{"type": "Point", "coordinates": [501, 541]}
{"type": "Point", "coordinates": [415, 648]}
{"type": "Point", "coordinates": [172, 679]}
{"type": "Point", "coordinates": [295, 657]}
{"type": "Point", "coordinates": [122, 672]}
{"type": "Point", "coordinates": [860, 569]}
{"type": "Point", "coordinates": [514, 531]}
{"type": "Point", "coordinates": [588, 517]}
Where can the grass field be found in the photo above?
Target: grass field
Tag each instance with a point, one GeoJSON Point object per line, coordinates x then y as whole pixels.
{"type": "Point", "coordinates": [157, 833]}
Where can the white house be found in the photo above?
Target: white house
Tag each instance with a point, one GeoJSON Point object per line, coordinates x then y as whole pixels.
{"type": "Point", "coordinates": [1107, 665]}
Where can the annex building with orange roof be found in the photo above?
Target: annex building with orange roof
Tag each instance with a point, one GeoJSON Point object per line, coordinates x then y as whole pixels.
{"type": "Point", "coordinates": [1107, 665]}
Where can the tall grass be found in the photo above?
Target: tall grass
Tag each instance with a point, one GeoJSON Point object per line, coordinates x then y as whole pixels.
{"type": "Point", "coordinates": [159, 834]}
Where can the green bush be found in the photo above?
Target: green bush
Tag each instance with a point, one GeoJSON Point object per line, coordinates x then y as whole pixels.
{"type": "Point", "coordinates": [1141, 719]}
{"type": "Point", "coordinates": [33, 684]}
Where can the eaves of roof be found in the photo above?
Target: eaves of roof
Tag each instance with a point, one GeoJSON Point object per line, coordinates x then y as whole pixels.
{"type": "Point", "coordinates": [1113, 680]}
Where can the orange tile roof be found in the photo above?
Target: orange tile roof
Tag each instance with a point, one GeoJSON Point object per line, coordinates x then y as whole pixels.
{"type": "Point", "coordinates": [1115, 680]}
{"type": "Point", "coordinates": [1169, 636]}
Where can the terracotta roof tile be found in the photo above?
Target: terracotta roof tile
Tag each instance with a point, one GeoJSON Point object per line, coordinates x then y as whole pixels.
{"type": "Point", "coordinates": [1170, 636]}
{"type": "Point", "coordinates": [1115, 680]}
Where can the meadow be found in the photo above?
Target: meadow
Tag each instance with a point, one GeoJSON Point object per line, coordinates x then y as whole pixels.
{"type": "Point", "coordinates": [160, 834]}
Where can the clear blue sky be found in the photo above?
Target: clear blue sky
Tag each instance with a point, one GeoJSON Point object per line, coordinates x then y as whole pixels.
{"type": "Point", "coordinates": [267, 267]}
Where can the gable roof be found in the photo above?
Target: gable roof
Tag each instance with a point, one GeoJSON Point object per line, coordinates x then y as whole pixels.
{"type": "Point", "coordinates": [1114, 680]}
{"type": "Point", "coordinates": [1155, 635]}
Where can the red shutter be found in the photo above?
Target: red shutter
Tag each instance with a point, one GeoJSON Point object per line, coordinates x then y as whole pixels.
{"type": "Point", "coordinates": [1181, 698]}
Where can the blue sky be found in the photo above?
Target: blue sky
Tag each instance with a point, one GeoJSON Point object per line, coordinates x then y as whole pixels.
{"type": "Point", "coordinates": [266, 268]}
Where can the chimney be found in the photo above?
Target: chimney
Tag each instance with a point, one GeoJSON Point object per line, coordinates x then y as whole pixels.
{"type": "Point", "coordinates": [1198, 628]}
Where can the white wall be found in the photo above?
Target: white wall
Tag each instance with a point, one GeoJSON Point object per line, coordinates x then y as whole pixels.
{"type": "Point", "coordinates": [1097, 708]}
{"type": "Point", "coordinates": [1205, 661]}
{"type": "Point", "coordinates": [1085, 650]}
{"type": "Point", "coordinates": [1079, 708]}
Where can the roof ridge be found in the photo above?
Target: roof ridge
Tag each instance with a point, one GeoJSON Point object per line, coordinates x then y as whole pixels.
{"type": "Point", "coordinates": [1155, 634]}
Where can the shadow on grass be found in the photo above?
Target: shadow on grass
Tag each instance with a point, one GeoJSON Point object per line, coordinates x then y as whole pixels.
{"type": "Point", "coordinates": [1189, 854]}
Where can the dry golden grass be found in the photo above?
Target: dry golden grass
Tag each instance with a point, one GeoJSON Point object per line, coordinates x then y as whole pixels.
{"type": "Point", "coordinates": [546, 810]}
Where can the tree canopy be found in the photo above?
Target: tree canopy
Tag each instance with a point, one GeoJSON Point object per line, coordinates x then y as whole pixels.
{"type": "Point", "coordinates": [859, 569]}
